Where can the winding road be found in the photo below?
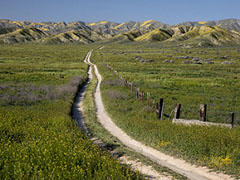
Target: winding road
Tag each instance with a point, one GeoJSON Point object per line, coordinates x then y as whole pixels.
{"type": "Point", "coordinates": [180, 166]}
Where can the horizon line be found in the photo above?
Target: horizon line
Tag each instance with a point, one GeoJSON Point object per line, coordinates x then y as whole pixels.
{"type": "Point", "coordinates": [117, 22]}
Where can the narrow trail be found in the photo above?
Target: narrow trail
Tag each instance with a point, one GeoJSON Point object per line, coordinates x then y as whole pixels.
{"type": "Point", "coordinates": [78, 104]}
{"type": "Point", "coordinates": [180, 166]}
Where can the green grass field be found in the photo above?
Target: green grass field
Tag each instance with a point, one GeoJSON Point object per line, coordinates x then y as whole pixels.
{"type": "Point", "coordinates": [189, 84]}
{"type": "Point", "coordinates": [38, 138]}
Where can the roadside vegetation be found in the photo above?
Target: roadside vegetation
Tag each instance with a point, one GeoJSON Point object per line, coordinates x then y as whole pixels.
{"type": "Point", "coordinates": [38, 138]}
{"type": "Point", "coordinates": [187, 76]}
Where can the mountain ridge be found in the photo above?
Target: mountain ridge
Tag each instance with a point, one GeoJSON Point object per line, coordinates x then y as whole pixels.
{"type": "Point", "coordinates": [230, 24]}
{"type": "Point", "coordinates": [212, 32]}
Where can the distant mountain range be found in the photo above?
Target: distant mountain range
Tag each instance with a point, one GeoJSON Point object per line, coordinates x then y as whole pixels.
{"type": "Point", "coordinates": [229, 24]}
{"type": "Point", "coordinates": [213, 32]}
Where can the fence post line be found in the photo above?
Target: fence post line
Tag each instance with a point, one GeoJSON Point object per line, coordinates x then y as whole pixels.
{"type": "Point", "coordinates": [177, 111]}
{"type": "Point", "coordinates": [232, 119]}
{"type": "Point", "coordinates": [203, 112]}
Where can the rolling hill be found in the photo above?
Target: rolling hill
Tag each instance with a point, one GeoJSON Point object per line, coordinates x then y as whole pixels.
{"type": "Point", "coordinates": [211, 34]}
{"type": "Point", "coordinates": [81, 36]}
{"type": "Point", "coordinates": [21, 35]}
{"type": "Point", "coordinates": [124, 37]}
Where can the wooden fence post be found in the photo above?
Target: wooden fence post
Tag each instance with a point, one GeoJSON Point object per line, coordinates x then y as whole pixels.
{"type": "Point", "coordinates": [177, 111]}
{"type": "Point", "coordinates": [139, 95]}
{"type": "Point", "coordinates": [157, 109]}
{"type": "Point", "coordinates": [142, 96]}
{"type": "Point", "coordinates": [136, 93]}
{"type": "Point", "coordinates": [123, 83]}
{"type": "Point", "coordinates": [203, 112]}
{"type": "Point", "coordinates": [148, 98]}
{"type": "Point", "coordinates": [126, 83]}
{"type": "Point", "coordinates": [232, 119]}
{"type": "Point", "coordinates": [161, 107]}
{"type": "Point", "coordinates": [153, 103]}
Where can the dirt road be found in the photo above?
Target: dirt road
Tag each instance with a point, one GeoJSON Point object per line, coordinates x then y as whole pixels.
{"type": "Point", "coordinates": [177, 165]}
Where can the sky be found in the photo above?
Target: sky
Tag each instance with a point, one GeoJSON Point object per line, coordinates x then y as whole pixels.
{"type": "Point", "coordinates": [166, 11]}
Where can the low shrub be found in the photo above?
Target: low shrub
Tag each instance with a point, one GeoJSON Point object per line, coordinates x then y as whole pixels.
{"type": "Point", "coordinates": [115, 94]}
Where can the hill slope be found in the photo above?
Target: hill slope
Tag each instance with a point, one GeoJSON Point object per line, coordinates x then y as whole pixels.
{"type": "Point", "coordinates": [212, 35]}
{"type": "Point", "coordinates": [21, 35]}
{"type": "Point", "coordinates": [124, 37]}
{"type": "Point", "coordinates": [48, 27]}
{"type": "Point", "coordinates": [80, 36]}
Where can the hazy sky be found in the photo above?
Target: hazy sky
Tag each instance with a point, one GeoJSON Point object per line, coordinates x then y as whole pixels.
{"type": "Point", "coordinates": [167, 11]}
